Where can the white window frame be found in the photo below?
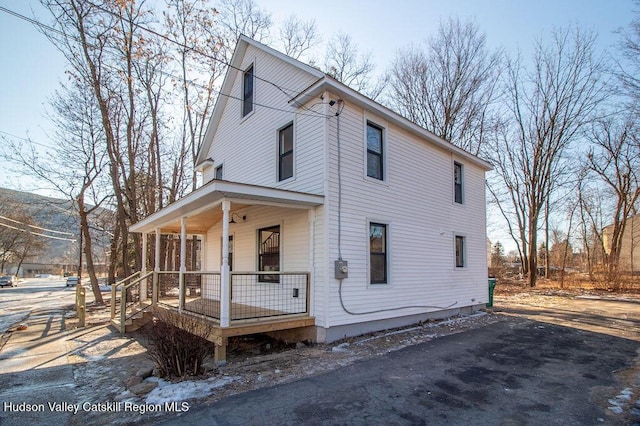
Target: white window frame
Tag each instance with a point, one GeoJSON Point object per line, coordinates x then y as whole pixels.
{"type": "Point", "coordinates": [465, 260]}
{"type": "Point", "coordinates": [215, 171]}
{"type": "Point", "coordinates": [294, 151]}
{"type": "Point", "coordinates": [462, 183]}
{"type": "Point", "coordinates": [252, 66]}
{"type": "Point", "coordinates": [388, 251]}
{"type": "Point", "coordinates": [383, 125]}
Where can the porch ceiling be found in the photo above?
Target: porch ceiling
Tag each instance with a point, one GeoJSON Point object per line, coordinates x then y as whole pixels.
{"type": "Point", "coordinates": [199, 207]}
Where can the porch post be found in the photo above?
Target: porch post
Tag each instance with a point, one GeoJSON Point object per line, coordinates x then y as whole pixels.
{"type": "Point", "coordinates": [183, 262]}
{"type": "Point", "coordinates": [156, 267]}
{"type": "Point", "coordinates": [224, 270]}
{"type": "Point", "coordinates": [143, 283]}
{"type": "Point", "coordinates": [312, 258]}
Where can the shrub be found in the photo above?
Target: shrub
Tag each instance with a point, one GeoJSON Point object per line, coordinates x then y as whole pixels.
{"type": "Point", "coordinates": [177, 345]}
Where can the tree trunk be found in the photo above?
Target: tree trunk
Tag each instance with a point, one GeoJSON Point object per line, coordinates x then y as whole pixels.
{"type": "Point", "coordinates": [88, 250]}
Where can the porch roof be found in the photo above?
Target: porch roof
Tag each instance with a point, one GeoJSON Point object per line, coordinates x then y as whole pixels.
{"type": "Point", "coordinates": [198, 206]}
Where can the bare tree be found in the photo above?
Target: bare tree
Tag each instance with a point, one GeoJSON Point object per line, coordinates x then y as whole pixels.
{"type": "Point", "coordinates": [628, 70]}
{"type": "Point", "coordinates": [241, 17]}
{"type": "Point", "coordinates": [199, 56]}
{"type": "Point", "coordinates": [344, 63]}
{"type": "Point", "coordinates": [449, 85]}
{"type": "Point", "coordinates": [615, 160]}
{"type": "Point", "coordinates": [17, 242]}
{"type": "Point", "coordinates": [548, 107]}
{"type": "Point", "coordinates": [298, 37]}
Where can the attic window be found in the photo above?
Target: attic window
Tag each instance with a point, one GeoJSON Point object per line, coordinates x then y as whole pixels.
{"type": "Point", "coordinates": [247, 91]}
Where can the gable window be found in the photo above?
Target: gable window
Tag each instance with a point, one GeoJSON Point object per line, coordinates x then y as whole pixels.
{"type": "Point", "coordinates": [285, 153]}
{"type": "Point", "coordinates": [460, 251]}
{"type": "Point", "coordinates": [375, 152]}
{"type": "Point", "coordinates": [269, 253]}
{"type": "Point", "coordinates": [247, 91]}
{"type": "Point", "coordinates": [378, 253]}
{"type": "Point", "coordinates": [457, 182]}
{"type": "Point", "coordinates": [218, 172]}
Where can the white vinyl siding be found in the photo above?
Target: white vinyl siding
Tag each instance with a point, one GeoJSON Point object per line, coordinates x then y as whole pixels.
{"type": "Point", "coordinates": [417, 199]}
{"type": "Point", "coordinates": [247, 145]}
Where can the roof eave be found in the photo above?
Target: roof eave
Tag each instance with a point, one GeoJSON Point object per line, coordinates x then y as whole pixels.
{"type": "Point", "coordinates": [332, 85]}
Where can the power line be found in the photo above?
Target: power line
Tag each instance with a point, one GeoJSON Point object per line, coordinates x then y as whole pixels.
{"type": "Point", "coordinates": [219, 93]}
{"type": "Point", "coordinates": [37, 233]}
{"type": "Point", "coordinates": [192, 49]}
{"type": "Point", "coordinates": [35, 227]}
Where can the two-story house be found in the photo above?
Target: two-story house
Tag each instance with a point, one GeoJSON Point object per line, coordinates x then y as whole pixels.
{"type": "Point", "coordinates": [321, 212]}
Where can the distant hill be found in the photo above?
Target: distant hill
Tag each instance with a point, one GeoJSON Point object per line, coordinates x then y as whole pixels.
{"type": "Point", "coordinates": [51, 213]}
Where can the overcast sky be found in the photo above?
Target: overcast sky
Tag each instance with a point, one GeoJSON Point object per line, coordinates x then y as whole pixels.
{"type": "Point", "coordinates": [30, 68]}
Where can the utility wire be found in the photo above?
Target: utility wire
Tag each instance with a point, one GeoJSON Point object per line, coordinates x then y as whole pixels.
{"type": "Point", "coordinates": [37, 233]}
{"type": "Point", "coordinates": [34, 226]}
{"type": "Point", "coordinates": [184, 46]}
{"type": "Point", "coordinates": [219, 93]}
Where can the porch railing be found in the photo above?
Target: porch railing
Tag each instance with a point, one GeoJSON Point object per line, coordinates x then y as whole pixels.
{"type": "Point", "coordinates": [268, 294]}
{"type": "Point", "coordinates": [114, 291]}
{"type": "Point", "coordinates": [133, 292]}
{"type": "Point", "coordinates": [253, 295]}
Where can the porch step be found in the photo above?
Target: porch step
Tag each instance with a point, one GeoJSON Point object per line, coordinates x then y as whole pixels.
{"type": "Point", "coordinates": [135, 322]}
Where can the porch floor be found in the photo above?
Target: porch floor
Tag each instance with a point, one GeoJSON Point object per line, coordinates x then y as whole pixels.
{"type": "Point", "coordinates": [211, 308]}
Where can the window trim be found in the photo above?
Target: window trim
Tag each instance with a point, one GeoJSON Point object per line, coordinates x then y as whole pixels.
{"type": "Point", "coordinates": [455, 184]}
{"type": "Point", "coordinates": [292, 152]}
{"type": "Point", "coordinates": [386, 253]}
{"type": "Point", "coordinates": [268, 278]}
{"type": "Point", "coordinates": [215, 171]}
{"type": "Point", "coordinates": [460, 237]}
{"type": "Point", "coordinates": [382, 154]}
{"type": "Point", "coordinates": [251, 68]}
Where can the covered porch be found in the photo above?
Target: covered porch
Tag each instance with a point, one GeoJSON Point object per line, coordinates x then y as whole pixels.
{"type": "Point", "coordinates": [273, 295]}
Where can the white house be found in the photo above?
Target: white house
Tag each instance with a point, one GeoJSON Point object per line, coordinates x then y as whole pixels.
{"type": "Point", "coordinates": [345, 217]}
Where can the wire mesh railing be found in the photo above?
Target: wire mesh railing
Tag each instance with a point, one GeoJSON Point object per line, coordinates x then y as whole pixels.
{"type": "Point", "coordinates": [168, 288]}
{"type": "Point", "coordinates": [253, 296]}
{"type": "Point", "coordinates": [202, 293]}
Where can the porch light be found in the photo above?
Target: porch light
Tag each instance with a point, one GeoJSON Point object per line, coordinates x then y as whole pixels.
{"type": "Point", "coordinates": [236, 214]}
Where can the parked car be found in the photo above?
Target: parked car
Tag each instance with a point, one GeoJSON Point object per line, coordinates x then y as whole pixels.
{"type": "Point", "coordinates": [9, 281]}
{"type": "Point", "coordinates": [73, 281]}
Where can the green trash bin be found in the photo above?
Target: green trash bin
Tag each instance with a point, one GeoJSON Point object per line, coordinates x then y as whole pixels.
{"type": "Point", "coordinates": [492, 286]}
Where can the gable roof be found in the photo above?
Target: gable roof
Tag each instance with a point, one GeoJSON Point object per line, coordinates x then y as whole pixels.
{"type": "Point", "coordinates": [324, 82]}
{"type": "Point", "coordinates": [232, 72]}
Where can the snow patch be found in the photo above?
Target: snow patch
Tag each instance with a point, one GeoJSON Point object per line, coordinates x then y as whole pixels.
{"type": "Point", "coordinates": [342, 347]}
{"type": "Point", "coordinates": [182, 391]}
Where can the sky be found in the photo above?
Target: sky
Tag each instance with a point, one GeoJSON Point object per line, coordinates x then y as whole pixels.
{"type": "Point", "coordinates": [31, 68]}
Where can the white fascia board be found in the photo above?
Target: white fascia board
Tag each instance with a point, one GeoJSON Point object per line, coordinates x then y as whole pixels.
{"type": "Point", "coordinates": [213, 193]}
{"type": "Point", "coordinates": [334, 86]}
{"type": "Point", "coordinates": [227, 84]}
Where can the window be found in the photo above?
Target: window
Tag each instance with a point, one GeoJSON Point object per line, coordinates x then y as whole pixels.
{"type": "Point", "coordinates": [269, 253]}
{"type": "Point", "coordinates": [378, 253]}
{"type": "Point", "coordinates": [247, 91]}
{"type": "Point", "coordinates": [375, 153]}
{"type": "Point", "coordinates": [460, 248]}
{"type": "Point", "coordinates": [218, 172]}
{"type": "Point", "coordinates": [457, 182]}
{"type": "Point", "coordinates": [285, 153]}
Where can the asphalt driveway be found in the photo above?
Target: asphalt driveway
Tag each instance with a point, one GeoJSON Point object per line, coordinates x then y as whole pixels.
{"type": "Point", "coordinates": [517, 371]}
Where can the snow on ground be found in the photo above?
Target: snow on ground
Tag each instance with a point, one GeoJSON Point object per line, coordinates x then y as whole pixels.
{"type": "Point", "coordinates": [7, 320]}
{"type": "Point", "coordinates": [167, 392]}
